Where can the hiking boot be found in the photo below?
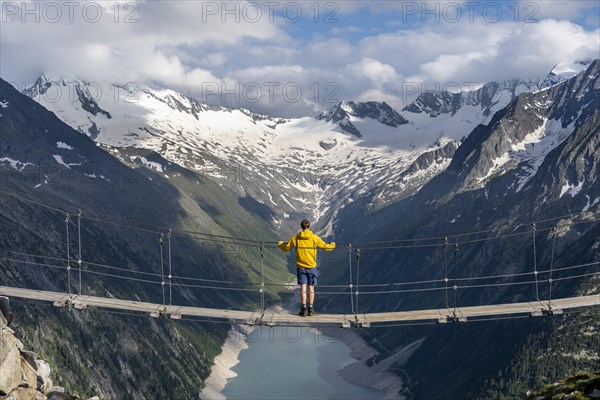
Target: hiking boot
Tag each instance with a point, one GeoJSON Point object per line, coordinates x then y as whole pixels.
{"type": "Point", "coordinates": [311, 311]}
{"type": "Point", "coordinates": [303, 312]}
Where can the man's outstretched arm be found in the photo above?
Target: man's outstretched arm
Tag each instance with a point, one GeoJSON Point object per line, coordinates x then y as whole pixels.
{"type": "Point", "coordinates": [287, 246]}
{"type": "Point", "coordinates": [325, 246]}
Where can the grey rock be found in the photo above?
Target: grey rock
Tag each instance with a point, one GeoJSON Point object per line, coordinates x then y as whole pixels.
{"type": "Point", "coordinates": [23, 393]}
{"type": "Point", "coordinates": [435, 103]}
{"type": "Point", "coordinates": [340, 114]}
{"type": "Point", "coordinates": [29, 357]}
{"type": "Point", "coordinates": [6, 315]}
{"type": "Point", "coordinates": [10, 363]}
{"type": "Point", "coordinates": [59, 396]}
{"type": "Point", "coordinates": [428, 158]}
{"type": "Point", "coordinates": [57, 389]}
{"type": "Point", "coordinates": [328, 145]}
{"type": "Point", "coordinates": [43, 374]}
{"type": "Point", "coordinates": [571, 102]}
{"type": "Point", "coordinates": [88, 103]}
{"type": "Point", "coordinates": [595, 394]}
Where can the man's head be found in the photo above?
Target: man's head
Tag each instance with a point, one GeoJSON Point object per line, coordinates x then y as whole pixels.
{"type": "Point", "coordinates": [305, 224]}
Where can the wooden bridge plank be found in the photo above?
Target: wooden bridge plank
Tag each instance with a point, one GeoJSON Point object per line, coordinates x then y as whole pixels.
{"type": "Point", "coordinates": [286, 318]}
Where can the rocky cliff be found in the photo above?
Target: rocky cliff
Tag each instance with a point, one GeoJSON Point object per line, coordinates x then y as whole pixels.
{"type": "Point", "coordinates": [23, 376]}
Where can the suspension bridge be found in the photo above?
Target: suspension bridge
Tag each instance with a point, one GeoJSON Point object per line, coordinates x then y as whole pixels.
{"type": "Point", "coordinates": [166, 281]}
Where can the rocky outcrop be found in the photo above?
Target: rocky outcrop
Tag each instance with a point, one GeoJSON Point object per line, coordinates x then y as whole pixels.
{"type": "Point", "coordinates": [22, 375]}
{"type": "Point", "coordinates": [428, 158]}
{"type": "Point", "coordinates": [486, 98]}
{"type": "Point", "coordinates": [582, 385]}
{"type": "Point", "coordinates": [531, 127]}
{"type": "Point", "coordinates": [343, 112]}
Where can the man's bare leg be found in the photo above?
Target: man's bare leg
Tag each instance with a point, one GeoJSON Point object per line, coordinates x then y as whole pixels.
{"type": "Point", "coordinates": [311, 295]}
{"type": "Point", "coordinates": [303, 294]}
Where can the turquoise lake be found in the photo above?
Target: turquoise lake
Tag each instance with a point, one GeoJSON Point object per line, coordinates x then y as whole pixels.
{"type": "Point", "coordinates": [294, 363]}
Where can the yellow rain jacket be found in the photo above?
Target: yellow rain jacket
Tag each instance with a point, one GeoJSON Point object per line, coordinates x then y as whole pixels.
{"type": "Point", "coordinates": [306, 244]}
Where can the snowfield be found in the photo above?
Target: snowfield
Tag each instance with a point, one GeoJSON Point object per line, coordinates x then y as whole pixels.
{"type": "Point", "coordinates": [297, 166]}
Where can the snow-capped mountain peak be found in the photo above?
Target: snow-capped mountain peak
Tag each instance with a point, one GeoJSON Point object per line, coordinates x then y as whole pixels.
{"type": "Point", "coordinates": [564, 71]}
{"type": "Point", "coordinates": [518, 141]}
{"type": "Point", "coordinates": [347, 112]}
{"type": "Point", "coordinates": [302, 166]}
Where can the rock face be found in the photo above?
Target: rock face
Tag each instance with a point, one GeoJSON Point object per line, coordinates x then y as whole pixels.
{"type": "Point", "coordinates": [486, 98]}
{"type": "Point", "coordinates": [22, 375]}
{"type": "Point", "coordinates": [343, 112]}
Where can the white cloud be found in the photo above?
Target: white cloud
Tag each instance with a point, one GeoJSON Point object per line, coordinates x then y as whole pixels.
{"type": "Point", "coordinates": [175, 44]}
{"type": "Point", "coordinates": [104, 49]}
{"type": "Point", "coordinates": [373, 70]}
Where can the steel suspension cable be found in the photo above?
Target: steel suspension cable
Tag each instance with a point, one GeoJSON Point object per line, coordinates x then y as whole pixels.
{"type": "Point", "coordinates": [262, 280]}
{"type": "Point", "coordinates": [357, 275]}
{"type": "Point", "coordinates": [170, 269]}
{"type": "Point", "coordinates": [350, 276]}
{"type": "Point", "coordinates": [104, 219]}
{"type": "Point", "coordinates": [162, 268]}
{"type": "Point", "coordinates": [535, 271]}
{"type": "Point", "coordinates": [551, 268]}
{"type": "Point", "coordinates": [455, 276]}
{"type": "Point", "coordinates": [79, 212]}
{"type": "Point", "coordinates": [446, 269]}
{"type": "Point", "coordinates": [68, 254]}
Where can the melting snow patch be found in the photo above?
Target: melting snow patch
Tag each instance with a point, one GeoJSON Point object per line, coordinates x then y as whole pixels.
{"type": "Point", "coordinates": [498, 163]}
{"type": "Point", "coordinates": [62, 145]}
{"type": "Point", "coordinates": [271, 199]}
{"type": "Point", "coordinates": [284, 199]}
{"type": "Point", "coordinates": [150, 164]}
{"type": "Point", "coordinates": [574, 190]}
{"type": "Point", "coordinates": [61, 161]}
{"type": "Point", "coordinates": [588, 205]}
{"type": "Point", "coordinates": [15, 164]}
{"type": "Point", "coordinates": [4, 104]}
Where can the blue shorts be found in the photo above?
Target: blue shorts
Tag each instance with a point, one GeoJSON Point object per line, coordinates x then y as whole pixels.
{"type": "Point", "coordinates": [307, 276]}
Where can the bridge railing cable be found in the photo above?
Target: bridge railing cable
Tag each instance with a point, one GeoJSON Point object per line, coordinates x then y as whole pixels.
{"type": "Point", "coordinates": [551, 268]}
{"type": "Point", "coordinates": [262, 280]}
{"type": "Point", "coordinates": [357, 292]}
{"type": "Point", "coordinates": [455, 287]}
{"type": "Point", "coordinates": [350, 285]}
{"type": "Point", "coordinates": [535, 271]}
{"type": "Point", "coordinates": [90, 215]}
{"type": "Point", "coordinates": [162, 267]}
{"type": "Point", "coordinates": [446, 270]}
{"type": "Point", "coordinates": [353, 286]}
{"type": "Point", "coordinates": [496, 231]}
{"type": "Point", "coordinates": [79, 212]}
{"type": "Point", "coordinates": [170, 268]}
{"type": "Point", "coordinates": [68, 253]}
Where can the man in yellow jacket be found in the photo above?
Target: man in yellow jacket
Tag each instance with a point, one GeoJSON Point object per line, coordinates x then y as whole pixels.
{"type": "Point", "coordinates": [306, 244]}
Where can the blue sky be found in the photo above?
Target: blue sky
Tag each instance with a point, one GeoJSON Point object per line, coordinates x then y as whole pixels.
{"type": "Point", "coordinates": [293, 58]}
{"type": "Point", "coordinates": [388, 16]}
